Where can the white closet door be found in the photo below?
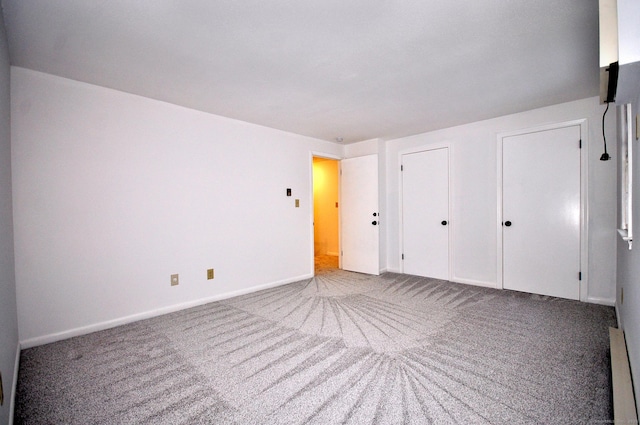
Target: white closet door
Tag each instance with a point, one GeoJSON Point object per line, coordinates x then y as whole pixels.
{"type": "Point", "coordinates": [541, 212]}
{"type": "Point", "coordinates": [425, 213]}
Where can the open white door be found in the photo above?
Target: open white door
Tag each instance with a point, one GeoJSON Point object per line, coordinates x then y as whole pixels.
{"type": "Point", "coordinates": [359, 218]}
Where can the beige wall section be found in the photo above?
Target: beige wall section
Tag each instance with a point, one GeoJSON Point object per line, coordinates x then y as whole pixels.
{"type": "Point", "coordinates": [325, 212]}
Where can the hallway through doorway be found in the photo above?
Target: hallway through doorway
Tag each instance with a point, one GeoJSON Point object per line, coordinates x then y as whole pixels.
{"type": "Point", "coordinates": [326, 243]}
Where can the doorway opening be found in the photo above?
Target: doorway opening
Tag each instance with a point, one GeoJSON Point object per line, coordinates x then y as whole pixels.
{"type": "Point", "coordinates": [326, 239]}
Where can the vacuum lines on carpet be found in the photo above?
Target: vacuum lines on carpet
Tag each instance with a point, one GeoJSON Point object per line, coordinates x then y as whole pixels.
{"type": "Point", "coordinates": [341, 348]}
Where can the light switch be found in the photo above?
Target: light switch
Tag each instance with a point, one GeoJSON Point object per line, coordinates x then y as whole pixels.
{"type": "Point", "coordinates": [297, 203]}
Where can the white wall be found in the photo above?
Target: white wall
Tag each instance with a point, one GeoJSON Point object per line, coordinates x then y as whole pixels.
{"type": "Point", "coordinates": [8, 318]}
{"type": "Point", "coordinates": [628, 266]}
{"type": "Point", "coordinates": [474, 193]}
{"type": "Point", "coordinates": [113, 193]}
{"type": "Point", "coordinates": [628, 272]}
{"type": "Point", "coordinates": [628, 31]}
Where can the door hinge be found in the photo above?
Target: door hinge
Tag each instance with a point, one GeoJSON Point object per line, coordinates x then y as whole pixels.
{"type": "Point", "coordinates": [402, 168]}
{"type": "Point", "coordinates": [580, 144]}
{"type": "Point", "coordinates": [579, 275]}
{"type": "Point", "coordinates": [403, 256]}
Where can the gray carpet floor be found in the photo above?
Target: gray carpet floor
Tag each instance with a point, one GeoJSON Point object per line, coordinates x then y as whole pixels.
{"type": "Point", "coordinates": [339, 348]}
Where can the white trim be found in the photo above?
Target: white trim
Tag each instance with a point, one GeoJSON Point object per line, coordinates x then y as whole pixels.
{"type": "Point", "coordinates": [602, 301]}
{"type": "Point", "coordinates": [484, 284]}
{"type": "Point", "coordinates": [46, 339]}
{"type": "Point", "coordinates": [425, 148]}
{"type": "Point", "coordinates": [499, 230]}
{"type": "Point", "coordinates": [625, 171]}
{"type": "Point", "coordinates": [584, 196]}
{"type": "Point", "coordinates": [450, 212]}
{"type": "Point", "coordinates": [584, 201]}
{"type": "Point", "coordinates": [14, 384]}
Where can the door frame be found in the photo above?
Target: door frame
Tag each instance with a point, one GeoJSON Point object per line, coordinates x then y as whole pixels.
{"type": "Point", "coordinates": [430, 147]}
{"type": "Point", "coordinates": [314, 154]}
{"type": "Point", "coordinates": [584, 211]}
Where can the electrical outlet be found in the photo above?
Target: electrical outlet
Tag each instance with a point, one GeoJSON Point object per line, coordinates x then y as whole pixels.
{"type": "Point", "coordinates": [174, 280]}
{"type": "Point", "coordinates": [297, 203]}
{"type": "Point", "coordinates": [209, 274]}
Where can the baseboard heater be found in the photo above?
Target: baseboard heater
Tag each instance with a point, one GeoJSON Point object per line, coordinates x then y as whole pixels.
{"type": "Point", "coordinates": [624, 404]}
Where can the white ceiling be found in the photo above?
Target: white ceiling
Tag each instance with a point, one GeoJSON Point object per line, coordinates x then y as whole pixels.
{"type": "Point", "coordinates": [356, 69]}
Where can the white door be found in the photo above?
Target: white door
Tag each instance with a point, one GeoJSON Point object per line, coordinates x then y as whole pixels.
{"type": "Point", "coordinates": [541, 212]}
{"type": "Point", "coordinates": [425, 213]}
{"type": "Point", "coordinates": [359, 219]}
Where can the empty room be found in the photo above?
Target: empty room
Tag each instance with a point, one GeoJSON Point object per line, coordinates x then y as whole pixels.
{"type": "Point", "coordinates": [319, 212]}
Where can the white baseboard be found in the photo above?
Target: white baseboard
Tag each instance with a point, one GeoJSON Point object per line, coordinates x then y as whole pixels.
{"type": "Point", "coordinates": [14, 385]}
{"type": "Point", "coordinates": [602, 301]}
{"type": "Point", "coordinates": [473, 282]}
{"type": "Point", "coordinates": [59, 336]}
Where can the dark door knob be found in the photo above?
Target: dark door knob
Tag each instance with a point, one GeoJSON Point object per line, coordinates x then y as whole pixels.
{"type": "Point", "coordinates": [375, 214]}
{"type": "Point", "coordinates": [443, 222]}
{"type": "Point", "coordinates": [507, 223]}
{"type": "Point", "coordinates": [374, 222]}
